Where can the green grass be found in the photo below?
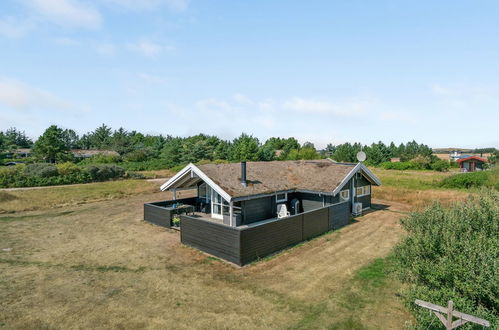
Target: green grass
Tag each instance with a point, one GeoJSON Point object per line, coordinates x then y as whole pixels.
{"type": "Point", "coordinates": [374, 274]}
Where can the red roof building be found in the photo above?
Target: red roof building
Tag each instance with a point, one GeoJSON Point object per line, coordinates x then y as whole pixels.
{"type": "Point", "coordinates": [471, 163]}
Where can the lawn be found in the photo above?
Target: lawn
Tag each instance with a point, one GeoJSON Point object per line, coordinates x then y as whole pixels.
{"type": "Point", "coordinates": [98, 265]}
{"type": "Point", "coordinates": [81, 256]}
{"type": "Point", "coordinates": [416, 188]}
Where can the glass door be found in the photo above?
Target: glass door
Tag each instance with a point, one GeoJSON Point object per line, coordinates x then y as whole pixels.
{"type": "Point", "coordinates": [217, 203]}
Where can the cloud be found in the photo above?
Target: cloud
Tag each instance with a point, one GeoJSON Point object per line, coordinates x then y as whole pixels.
{"type": "Point", "coordinates": [149, 48]}
{"type": "Point", "coordinates": [12, 27]}
{"type": "Point", "coordinates": [67, 13]}
{"type": "Point", "coordinates": [346, 109]}
{"type": "Point", "coordinates": [142, 5]}
{"type": "Point", "coordinates": [22, 97]}
{"type": "Point", "coordinates": [466, 96]}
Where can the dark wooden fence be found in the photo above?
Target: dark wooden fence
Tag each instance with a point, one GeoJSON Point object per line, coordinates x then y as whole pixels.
{"type": "Point", "coordinates": [161, 213]}
{"type": "Point", "coordinates": [244, 244]}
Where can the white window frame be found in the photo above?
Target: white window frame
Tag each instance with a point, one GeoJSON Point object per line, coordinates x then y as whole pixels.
{"type": "Point", "coordinates": [281, 200]}
{"type": "Point", "coordinates": [344, 199]}
{"type": "Point", "coordinates": [365, 190]}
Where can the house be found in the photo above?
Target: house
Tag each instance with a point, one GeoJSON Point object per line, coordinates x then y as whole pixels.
{"type": "Point", "coordinates": [469, 163]}
{"type": "Point", "coordinates": [245, 211]}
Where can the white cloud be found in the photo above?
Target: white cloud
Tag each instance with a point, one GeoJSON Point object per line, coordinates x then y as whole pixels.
{"type": "Point", "coordinates": [149, 48]}
{"type": "Point", "coordinates": [140, 5]}
{"type": "Point", "coordinates": [346, 109]}
{"type": "Point", "coordinates": [22, 97]}
{"type": "Point", "coordinates": [67, 13]}
{"type": "Point", "coordinates": [12, 27]}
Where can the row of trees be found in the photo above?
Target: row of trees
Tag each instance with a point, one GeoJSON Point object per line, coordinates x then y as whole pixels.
{"type": "Point", "coordinates": [55, 144]}
{"type": "Point", "coordinates": [378, 153]}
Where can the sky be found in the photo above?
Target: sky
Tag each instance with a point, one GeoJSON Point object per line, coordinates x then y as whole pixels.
{"type": "Point", "coordinates": [321, 71]}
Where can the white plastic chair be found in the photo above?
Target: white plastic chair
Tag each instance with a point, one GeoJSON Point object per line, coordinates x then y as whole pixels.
{"type": "Point", "coordinates": [282, 211]}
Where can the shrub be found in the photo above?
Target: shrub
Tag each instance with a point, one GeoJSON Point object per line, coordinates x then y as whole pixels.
{"type": "Point", "coordinates": [10, 175]}
{"type": "Point", "coordinates": [150, 165]}
{"type": "Point", "coordinates": [139, 155]}
{"type": "Point", "coordinates": [101, 159]}
{"type": "Point", "coordinates": [68, 168]}
{"type": "Point", "coordinates": [440, 165]}
{"type": "Point", "coordinates": [398, 166]}
{"type": "Point", "coordinates": [103, 172]}
{"type": "Point", "coordinates": [451, 254]}
{"type": "Point", "coordinates": [42, 170]}
{"type": "Point", "coordinates": [465, 180]}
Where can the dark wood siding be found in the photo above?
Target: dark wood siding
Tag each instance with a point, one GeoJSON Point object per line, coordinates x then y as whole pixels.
{"type": "Point", "coordinates": [262, 240]}
{"type": "Point", "coordinates": [315, 223]}
{"type": "Point", "coordinates": [365, 200]}
{"type": "Point", "coordinates": [339, 215]}
{"type": "Point", "coordinates": [157, 215]}
{"type": "Point", "coordinates": [216, 239]}
{"type": "Point", "coordinates": [311, 201]}
{"type": "Point", "coordinates": [257, 209]}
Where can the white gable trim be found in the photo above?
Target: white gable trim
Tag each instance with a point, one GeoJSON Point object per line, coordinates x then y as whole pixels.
{"type": "Point", "coordinates": [195, 170]}
{"type": "Point", "coordinates": [357, 168]}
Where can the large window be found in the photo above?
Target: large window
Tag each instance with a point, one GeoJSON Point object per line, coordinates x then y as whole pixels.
{"type": "Point", "coordinates": [219, 206]}
{"type": "Point", "coordinates": [362, 191]}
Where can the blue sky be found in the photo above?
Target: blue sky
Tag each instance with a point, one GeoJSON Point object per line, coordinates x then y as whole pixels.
{"type": "Point", "coordinates": [322, 71]}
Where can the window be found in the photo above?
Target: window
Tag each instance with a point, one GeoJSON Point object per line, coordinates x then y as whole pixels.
{"type": "Point", "coordinates": [345, 195]}
{"type": "Point", "coordinates": [362, 191]}
{"type": "Point", "coordinates": [281, 197]}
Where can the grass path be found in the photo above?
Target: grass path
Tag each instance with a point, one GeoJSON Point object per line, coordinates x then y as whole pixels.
{"type": "Point", "coordinates": [98, 265]}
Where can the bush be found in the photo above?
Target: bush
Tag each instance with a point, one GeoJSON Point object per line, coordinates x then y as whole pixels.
{"type": "Point", "coordinates": [402, 166]}
{"type": "Point", "coordinates": [150, 165]}
{"type": "Point", "coordinates": [451, 254]}
{"type": "Point", "coordinates": [101, 159]}
{"type": "Point", "coordinates": [139, 155]}
{"type": "Point", "coordinates": [42, 170]}
{"type": "Point", "coordinates": [465, 180]}
{"type": "Point", "coordinates": [103, 172]}
{"type": "Point", "coordinates": [68, 168]}
{"type": "Point", "coordinates": [440, 165]}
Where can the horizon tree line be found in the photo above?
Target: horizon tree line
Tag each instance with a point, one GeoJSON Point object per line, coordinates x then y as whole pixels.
{"type": "Point", "coordinates": [55, 145]}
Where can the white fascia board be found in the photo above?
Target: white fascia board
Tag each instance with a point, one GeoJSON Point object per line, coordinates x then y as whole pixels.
{"type": "Point", "coordinates": [194, 169]}
{"type": "Point", "coordinates": [371, 175]}
{"type": "Point", "coordinates": [174, 178]}
{"type": "Point", "coordinates": [345, 179]}
{"type": "Point", "coordinates": [354, 170]}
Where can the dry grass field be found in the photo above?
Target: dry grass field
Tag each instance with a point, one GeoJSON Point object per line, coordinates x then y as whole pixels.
{"type": "Point", "coordinates": [81, 257]}
{"type": "Point", "coordinates": [98, 265]}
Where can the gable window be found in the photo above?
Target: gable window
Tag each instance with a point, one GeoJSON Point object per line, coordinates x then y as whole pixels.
{"type": "Point", "coordinates": [362, 191]}
{"type": "Point", "coordinates": [345, 195]}
{"type": "Point", "coordinates": [281, 197]}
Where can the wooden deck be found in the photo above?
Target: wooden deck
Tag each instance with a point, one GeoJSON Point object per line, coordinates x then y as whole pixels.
{"type": "Point", "coordinates": [206, 216]}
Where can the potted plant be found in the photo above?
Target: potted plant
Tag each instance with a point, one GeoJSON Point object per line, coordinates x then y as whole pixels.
{"type": "Point", "coordinates": [176, 221]}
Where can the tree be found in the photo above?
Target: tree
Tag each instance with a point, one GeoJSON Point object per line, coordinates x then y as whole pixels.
{"type": "Point", "coordinates": [244, 148]}
{"type": "Point", "coordinates": [121, 142]}
{"type": "Point", "coordinates": [347, 152]}
{"type": "Point", "coordinates": [101, 137]}
{"type": "Point", "coordinates": [172, 151]}
{"type": "Point", "coordinates": [266, 153]}
{"type": "Point", "coordinates": [377, 153]}
{"type": "Point", "coordinates": [14, 139]}
{"type": "Point", "coordinates": [51, 145]}
{"type": "Point", "coordinates": [71, 139]}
